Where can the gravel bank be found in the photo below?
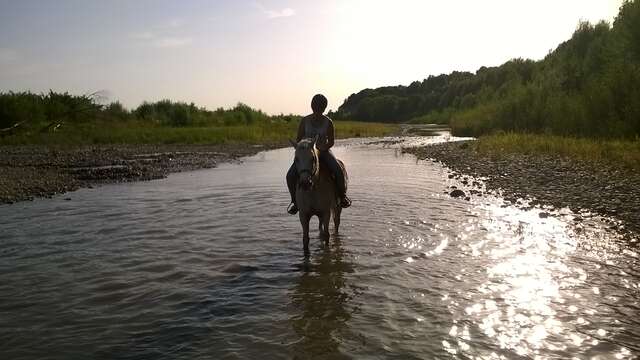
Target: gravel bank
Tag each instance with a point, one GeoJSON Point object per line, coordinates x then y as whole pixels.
{"type": "Point", "coordinates": [27, 172]}
{"type": "Point", "coordinates": [561, 182]}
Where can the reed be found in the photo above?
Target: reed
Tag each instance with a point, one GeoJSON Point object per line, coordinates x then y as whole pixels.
{"type": "Point", "coordinates": [621, 152]}
{"type": "Point", "coordinates": [137, 132]}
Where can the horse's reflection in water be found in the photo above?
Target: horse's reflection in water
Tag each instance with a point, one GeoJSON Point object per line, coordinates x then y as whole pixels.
{"type": "Point", "coordinates": [321, 303]}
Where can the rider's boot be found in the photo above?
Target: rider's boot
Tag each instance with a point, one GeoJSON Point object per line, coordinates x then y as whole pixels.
{"type": "Point", "coordinates": [293, 208]}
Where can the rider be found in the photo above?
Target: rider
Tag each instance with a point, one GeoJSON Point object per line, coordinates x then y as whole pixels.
{"type": "Point", "coordinates": [317, 124]}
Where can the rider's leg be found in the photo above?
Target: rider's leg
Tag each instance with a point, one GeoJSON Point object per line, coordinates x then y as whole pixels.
{"type": "Point", "coordinates": [292, 180]}
{"type": "Point", "coordinates": [331, 162]}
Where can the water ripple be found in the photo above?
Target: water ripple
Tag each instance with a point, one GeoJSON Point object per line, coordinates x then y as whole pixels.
{"type": "Point", "coordinates": [207, 265]}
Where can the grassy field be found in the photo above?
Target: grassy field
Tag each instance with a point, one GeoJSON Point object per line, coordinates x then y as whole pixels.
{"type": "Point", "coordinates": [625, 153]}
{"type": "Point", "coordinates": [141, 133]}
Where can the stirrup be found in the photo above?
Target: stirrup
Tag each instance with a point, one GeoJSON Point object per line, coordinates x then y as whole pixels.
{"type": "Point", "coordinates": [345, 202]}
{"type": "Point", "coordinates": [292, 209]}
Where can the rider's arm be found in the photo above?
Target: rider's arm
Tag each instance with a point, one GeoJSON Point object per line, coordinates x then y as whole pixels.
{"type": "Point", "coordinates": [300, 130]}
{"type": "Point", "coordinates": [331, 134]}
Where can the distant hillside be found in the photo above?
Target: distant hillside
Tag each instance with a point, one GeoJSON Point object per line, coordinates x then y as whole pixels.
{"type": "Point", "coordinates": [588, 86]}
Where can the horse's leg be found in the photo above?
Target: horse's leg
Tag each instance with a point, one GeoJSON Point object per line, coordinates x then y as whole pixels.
{"type": "Point", "coordinates": [304, 221]}
{"type": "Point", "coordinates": [336, 218]}
{"type": "Point", "coordinates": [321, 225]}
{"type": "Point", "coordinates": [325, 226]}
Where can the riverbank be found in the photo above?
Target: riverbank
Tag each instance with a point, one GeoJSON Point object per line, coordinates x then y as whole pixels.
{"type": "Point", "coordinates": [35, 164]}
{"type": "Point", "coordinates": [598, 185]}
{"type": "Point", "coordinates": [33, 171]}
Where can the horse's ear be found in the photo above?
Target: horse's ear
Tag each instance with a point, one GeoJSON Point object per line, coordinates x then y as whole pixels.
{"type": "Point", "coordinates": [293, 143]}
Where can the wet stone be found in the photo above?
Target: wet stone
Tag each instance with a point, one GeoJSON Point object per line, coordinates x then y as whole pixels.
{"type": "Point", "coordinates": [29, 171]}
{"type": "Point", "coordinates": [604, 188]}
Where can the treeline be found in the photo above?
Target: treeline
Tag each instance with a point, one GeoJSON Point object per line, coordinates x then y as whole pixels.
{"type": "Point", "coordinates": [588, 86]}
{"type": "Point", "coordinates": [26, 111]}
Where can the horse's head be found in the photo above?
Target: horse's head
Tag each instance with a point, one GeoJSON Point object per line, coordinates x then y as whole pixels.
{"type": "Point", "coordinates": [307, 162]}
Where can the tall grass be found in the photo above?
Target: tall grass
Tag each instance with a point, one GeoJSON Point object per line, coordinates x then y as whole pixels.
{"type": "Point", "coordinates": [625, 153]}
{"type": "Point", "coordinates": [65, 119]}
{"type": "Point", "coordinates": [434, 117]}
{"type": "Point", "coordinates": [276, 132]}
{"type": "Point", "coordinates": [351, 129]}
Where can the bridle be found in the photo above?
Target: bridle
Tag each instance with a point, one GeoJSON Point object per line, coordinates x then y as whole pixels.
{"type": "Point", "coordinates": [310, 172]}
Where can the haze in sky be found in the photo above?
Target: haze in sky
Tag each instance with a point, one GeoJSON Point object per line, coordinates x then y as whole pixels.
{"type": "Point", "coordinates": [271, 54]}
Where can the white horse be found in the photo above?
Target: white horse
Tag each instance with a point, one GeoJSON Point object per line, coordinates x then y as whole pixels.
{"type": "Point", "coordinates": [315, 191]}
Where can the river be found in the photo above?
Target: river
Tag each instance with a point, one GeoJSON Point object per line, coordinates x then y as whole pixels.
{"type": "Point", "coordinates": [208, 265]}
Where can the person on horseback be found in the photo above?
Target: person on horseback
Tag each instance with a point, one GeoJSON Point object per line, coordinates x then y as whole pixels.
{"type": "Point", "coordinates": [320, 125]}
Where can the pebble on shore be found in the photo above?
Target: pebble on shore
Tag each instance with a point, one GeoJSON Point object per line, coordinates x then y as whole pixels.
{"type": "Point", "coordinates": [549, 180]}
{"type": "Point", "coordinates": [30, 172]}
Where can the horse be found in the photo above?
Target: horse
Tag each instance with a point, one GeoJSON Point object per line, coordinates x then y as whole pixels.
{"type": "Point", "coordinates": [316, 191]}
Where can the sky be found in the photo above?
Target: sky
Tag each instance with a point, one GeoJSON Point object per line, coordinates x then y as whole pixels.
{"type": "Point", "coordinates": [270, 54]}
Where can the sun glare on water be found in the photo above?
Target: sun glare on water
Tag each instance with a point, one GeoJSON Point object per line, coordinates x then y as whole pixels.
{"type": "Point", "coordinates": [533, 301]}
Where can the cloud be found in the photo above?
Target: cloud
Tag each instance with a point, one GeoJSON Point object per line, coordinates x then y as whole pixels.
{"type": "Point", "coordinates": [162, 41]}
{"type": "Point", "coordinates": [274, 14]}
{"type": "Point", "coordinates": [286, 12]}
{"type": "Point", "coordinates": [164, 36]}
{"type": "Point", "coordinates": [172, 42]}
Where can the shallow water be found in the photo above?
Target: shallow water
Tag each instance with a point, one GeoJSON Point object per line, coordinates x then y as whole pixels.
{"type": "Point", "coordinates": [206, 264]}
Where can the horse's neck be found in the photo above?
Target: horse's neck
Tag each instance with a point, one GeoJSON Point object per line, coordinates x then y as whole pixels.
{"type": "Point", "coordinates": [315, 166]}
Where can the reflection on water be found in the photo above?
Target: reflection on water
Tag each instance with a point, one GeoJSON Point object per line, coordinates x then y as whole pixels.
{"type": "Point", "coordinates": [320, 301]}
{"type": "Point", "coordinates": [207, 264]}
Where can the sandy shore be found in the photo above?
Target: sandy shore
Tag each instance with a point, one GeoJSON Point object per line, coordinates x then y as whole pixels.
{"type": "Point", "coordinates": [28, 172]}
{"type": "Point", "coordinates": [603, 188]}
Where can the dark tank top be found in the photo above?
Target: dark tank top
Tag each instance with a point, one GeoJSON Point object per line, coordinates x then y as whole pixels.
{"type": "Point", "coordinates": [310, 131]}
